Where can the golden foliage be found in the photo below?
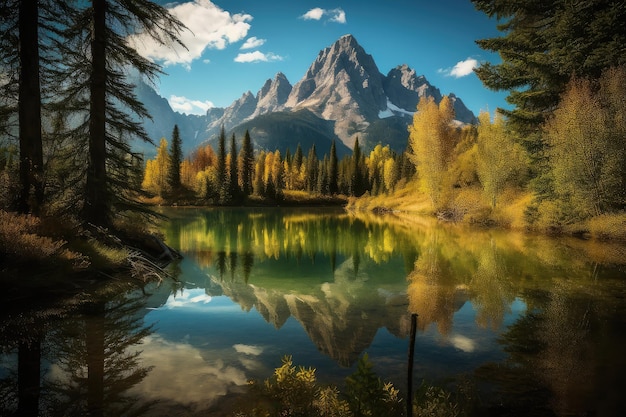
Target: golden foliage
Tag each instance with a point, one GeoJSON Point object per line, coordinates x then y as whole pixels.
{"type": "Point", "coordinates": [587, 136]}
{"type": "Point", "coordinates": [432, 139]}
{"type": "Point", "coordinates": [499, 160]}
{"type": "Point", "coordinates": [155, 176]}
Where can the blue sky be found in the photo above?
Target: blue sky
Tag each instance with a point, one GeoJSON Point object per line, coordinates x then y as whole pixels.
{"type": "Point", "coordinates": [238, 44]}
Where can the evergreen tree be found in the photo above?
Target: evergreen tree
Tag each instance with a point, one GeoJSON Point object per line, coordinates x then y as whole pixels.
{"type": "Point", "coordinates": [297, 158]}
{"type": "Point", "coordinates": [311, 169]}
{"type": "Point", "coordinates": [247, 164]}
{"type": "Point", "coordinates": [30, 29]}
{"type": "Point", "coordinates": [97, 54]}
{"type": "Point", "coordinates": [544, 43]}
{"type": "Point", "coordinates": [233, 180]}
{"type": "Point", "coordinates": [357, 178]}
{"type": "Point", "coordinates": [333, 172]}
{"type": "Point", "coordinates": [31, 145]}
{"type": "Point", "coordinates": [176, 158]}
{"type": "Point", "coordinates": [222, 174]}
{"type": "Point", "coordinates": [323, 182]}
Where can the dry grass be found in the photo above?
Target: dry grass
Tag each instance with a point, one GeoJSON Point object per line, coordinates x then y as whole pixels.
{"type": "Point", "coordinates": [20, 238]}
{"type": "Point", "coordinates": [29, 239]}
{"type": "Point", "coordinates": [407, 198]}
{"type": "Point", "coordinates": [608, 227]}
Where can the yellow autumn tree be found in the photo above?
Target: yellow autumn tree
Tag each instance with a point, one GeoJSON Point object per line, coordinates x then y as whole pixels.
{"type": "Point", "coordinates": [587, 136]}
{"type": "Point", "coordinates": [499, 159]}
{"type": "Point", "coordinates": [382, 179]}
{"type": "Point", "coordinates": [432, 138]}
{"type": "Point", "coordinates": [155, 176]}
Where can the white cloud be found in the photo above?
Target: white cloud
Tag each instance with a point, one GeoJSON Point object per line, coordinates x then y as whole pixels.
{"type": "Point", "coordinates": [189, 106]}
{"type": "Point", "coordinates": [313, 14]}
{"type": "Point", "coordinates": [209, 27]}
{"type": "Point", "coordinates": [337, 16]}
{"type": "Point", "coordinates": [252, 42]}
{"type": "Point", "coordinates": [257, 56]}
{"type": "Point", "coordinates": [333, 15]}
{"type": "Point", "coordinates": [461, 69]}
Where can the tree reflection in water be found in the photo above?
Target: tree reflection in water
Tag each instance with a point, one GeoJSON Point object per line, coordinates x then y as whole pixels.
{"type": "Point", "coordinates": [90, 348]}
{"type": "Point", "coordinates": [556, 309]}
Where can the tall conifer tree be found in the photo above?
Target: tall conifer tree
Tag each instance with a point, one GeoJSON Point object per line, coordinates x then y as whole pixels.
{"type": "Point", "coordinates": [176, 158]}
{"type": "Point", "coordinates": [545, 43]}
{"type": "Point", "coordinates": [333, 172]}
{"type": "Point", "coordinates": [233, 179]}
{"type": "Point", "coordinates": [247, 171]}
{"type": "Point", "coordinates": [100, 32]}
{"type": "Point", "coordinates": [222, 173]}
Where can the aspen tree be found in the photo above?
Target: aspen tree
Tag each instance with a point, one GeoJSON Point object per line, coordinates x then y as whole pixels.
{"type": "Point", "coordinates": [498, 158]}
{"type": "Point", "coordinates": [432, 139]}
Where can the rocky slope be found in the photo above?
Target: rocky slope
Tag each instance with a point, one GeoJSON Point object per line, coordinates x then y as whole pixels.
{"type": "Point", "coordinates": [343, 88]}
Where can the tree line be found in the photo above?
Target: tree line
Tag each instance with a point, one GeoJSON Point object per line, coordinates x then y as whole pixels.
{"type": "Point", "coordinates": [229, 177]}
{"type": "Point", "coordinates": [67, 106]}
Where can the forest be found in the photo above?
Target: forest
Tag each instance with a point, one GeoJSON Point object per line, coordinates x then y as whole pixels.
{"type": "Point", "coordinates": [555, 162]}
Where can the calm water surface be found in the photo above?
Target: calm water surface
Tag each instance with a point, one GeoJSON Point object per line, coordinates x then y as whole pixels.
{"type": "Point", "coordinates": [536, 325]}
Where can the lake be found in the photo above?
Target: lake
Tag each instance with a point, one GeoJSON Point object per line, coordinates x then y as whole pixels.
{"type": "Point", "coordinates": [535, 325]}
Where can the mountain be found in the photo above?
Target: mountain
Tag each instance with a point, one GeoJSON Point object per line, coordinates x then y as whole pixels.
{"type": "Point", "coordinates": [342, 96]}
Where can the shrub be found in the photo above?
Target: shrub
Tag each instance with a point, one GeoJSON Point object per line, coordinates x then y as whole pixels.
{"type": "Point", "coordinates": [608, 226]}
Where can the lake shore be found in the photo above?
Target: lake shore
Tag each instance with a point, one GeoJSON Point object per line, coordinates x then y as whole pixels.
{"type": "Point", "coordinates": [511, 214]}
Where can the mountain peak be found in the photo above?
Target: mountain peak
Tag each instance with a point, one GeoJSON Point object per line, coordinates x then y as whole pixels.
{"type": "Point", "coordinates": [347, 40]}
{"type": "Point", "coordinates": [273, 95]}
{"type": "Point", "coordinates": [343, 84]}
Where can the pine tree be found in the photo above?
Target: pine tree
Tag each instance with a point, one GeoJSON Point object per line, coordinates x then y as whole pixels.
{"type": "Point", "coordinates": [297, 158]}
{"type": "Point", "coordinates": [543, 45]}
{"type": "Point", "coordinates": [358, 180]}
{"type": "Point", "coordinates": [176, 158]}
{"type": "Point", "coordinates": [233, 180]}
{"type": "Point", "coordinates": [99, 32]}
{"type": "Point", "coordinates": [31, 146]}
{"type": "Point", "coordinates": [222, 174]}
{"type": "Point", "coordinates": [311, 169]}
{"type": "Point", "coordinates": [247, 171]}
{"type": "Point", "coordinates": [27, 56]}
{"type": "Point", "coordinates": [333, 172]}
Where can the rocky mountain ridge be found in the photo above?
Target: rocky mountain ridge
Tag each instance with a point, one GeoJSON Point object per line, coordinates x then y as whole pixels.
{"type": "Point", "coordinates": [343, 86]}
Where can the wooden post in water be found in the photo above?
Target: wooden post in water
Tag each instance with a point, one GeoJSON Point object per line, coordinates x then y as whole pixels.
{"type": "Point", "coordinates": [409, 397]}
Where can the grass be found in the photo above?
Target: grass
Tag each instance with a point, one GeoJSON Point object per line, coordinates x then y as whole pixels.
{"type": "Point", "coordinates": [470, 207]}
{"type": "Point", "coordinates": [608, 226]}
{"type": "Point", "coordinates": [31, 241]}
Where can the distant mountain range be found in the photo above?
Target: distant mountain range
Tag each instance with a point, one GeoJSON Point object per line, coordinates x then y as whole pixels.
{"type": "Point", "coordinates": [342, 96]}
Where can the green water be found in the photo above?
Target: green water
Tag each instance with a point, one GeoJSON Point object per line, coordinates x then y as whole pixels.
{"type": "Point", "coordinates": [535, 325]}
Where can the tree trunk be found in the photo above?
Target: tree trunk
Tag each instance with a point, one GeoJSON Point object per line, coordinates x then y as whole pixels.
{"type": "Point", "coordinates": [96, 208]}
{"type": "Point", "coordinates": [29, 113]}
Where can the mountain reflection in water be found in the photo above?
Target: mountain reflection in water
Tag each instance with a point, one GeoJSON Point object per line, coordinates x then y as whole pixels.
{"type": "Point", "coordinates": [537, 324]}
